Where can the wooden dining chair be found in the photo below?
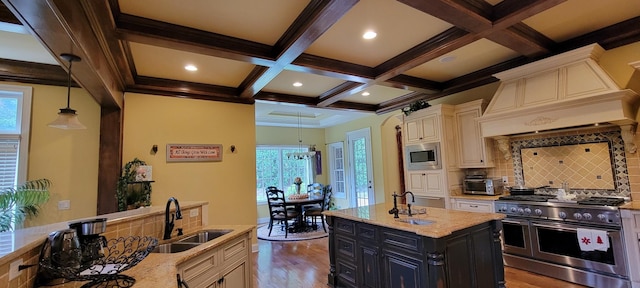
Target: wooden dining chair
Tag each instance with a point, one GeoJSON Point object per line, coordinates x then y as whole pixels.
{"type": "Point", "coordinates": [278, 211]}
{"type": "Point", "coordinates": [314, 190]}
{"type": "Point", "coordinates": [313, 213]}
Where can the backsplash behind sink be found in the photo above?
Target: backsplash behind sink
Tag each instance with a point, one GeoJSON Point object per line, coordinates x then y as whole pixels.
{"type": "Point", "coordinates": [617, 155]}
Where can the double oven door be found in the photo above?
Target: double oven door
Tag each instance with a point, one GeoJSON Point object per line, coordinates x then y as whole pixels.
{"type": "Point", "coordinates": [557, 242]}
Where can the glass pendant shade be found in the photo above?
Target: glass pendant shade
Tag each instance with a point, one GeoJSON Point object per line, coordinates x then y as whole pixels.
{"type": "Point", "coordinates": [67, 117]}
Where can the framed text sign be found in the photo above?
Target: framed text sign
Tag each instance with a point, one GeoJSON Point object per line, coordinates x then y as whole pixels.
{"type": "Point", "coordinates": [194, 152]}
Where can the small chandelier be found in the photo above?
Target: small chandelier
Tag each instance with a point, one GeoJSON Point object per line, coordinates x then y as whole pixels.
{"type": "Point", "coordinates": [67, 117]}
{"type": "Point", "coordinates": [300, 154]}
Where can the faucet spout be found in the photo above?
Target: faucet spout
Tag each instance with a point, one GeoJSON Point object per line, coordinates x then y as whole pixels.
{"type": "Point", "coordinates": [168, 224]}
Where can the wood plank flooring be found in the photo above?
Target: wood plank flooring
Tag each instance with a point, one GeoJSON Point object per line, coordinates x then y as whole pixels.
{"type": "Point", "coordinates": [306, 264]}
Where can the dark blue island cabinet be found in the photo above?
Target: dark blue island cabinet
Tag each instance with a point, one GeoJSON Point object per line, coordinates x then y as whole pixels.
{"type": "Point", "coordinates": [367, 255]}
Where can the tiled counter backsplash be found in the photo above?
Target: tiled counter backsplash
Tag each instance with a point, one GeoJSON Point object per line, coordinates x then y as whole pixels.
{"type": "Point", "coordinates": [151, 224]}
{"type": "Point", "coordinates": [626, 167]}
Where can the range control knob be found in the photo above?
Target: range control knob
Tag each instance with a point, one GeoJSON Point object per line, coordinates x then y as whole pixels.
{"type": "Point", "coordinates": [602, 217]}
{"type": "Point", "coordinates": [578, 216]}
{"type": "Point", "coordinates": [538, 212]}
{"type": "Point", "coordinates": [520, 211]}
{"type": "Point", "coordinates": [562, 215]}
{"type": "Point", "coordinates": [503, 208]}
{"type": "Point", "coordinates": [587, 216]}
{"type": "Point", "coordinates": [514, 209]}
{"type": "Point", "coordinates": [527, 210]}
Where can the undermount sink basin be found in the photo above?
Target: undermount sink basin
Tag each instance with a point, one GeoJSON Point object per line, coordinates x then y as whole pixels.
{"type": "Point", "coordinates": [415, 221]}
{"type": "Point", "coordinates": [204, 236]}
{"type": "Point", "coordinates": [174, 247]}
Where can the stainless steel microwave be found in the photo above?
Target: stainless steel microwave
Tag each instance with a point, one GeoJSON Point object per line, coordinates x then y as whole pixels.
{"type": "Point", "coordinates": [425, 156]}
{"type": "Point", "coordinates": [484, 186]}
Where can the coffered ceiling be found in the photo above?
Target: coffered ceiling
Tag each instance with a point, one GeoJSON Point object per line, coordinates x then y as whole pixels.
{"type": "Point", "coordinates": [254, 50]}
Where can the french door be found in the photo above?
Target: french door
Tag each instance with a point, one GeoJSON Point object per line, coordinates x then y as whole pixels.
{"type": "Point", "coordinates": [360, 169]}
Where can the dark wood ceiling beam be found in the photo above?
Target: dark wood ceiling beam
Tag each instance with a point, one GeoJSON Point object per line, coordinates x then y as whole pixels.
{"type": "Point", "coordinates": [6, 16]}
{"type": "Point", "coordinates": [413, 83]}
{"type": "Point", "coordinates": [340, 92]}
{"type": "Point", "coordinates": [182, 89]}
{"type": "Point", "coordinates": [619, 34]}
{"type": "Point", "coordinates": [33, 73]}
{"type": "Point", "coordinates": [63, 28]}
{"type": "Point", "coordinates": [316, 19]}
{"type": "Point", "coordinates": [317, 65]}
{"type": "Point", "coordinates": [511, 12]}
{"type": "Point", "coordinates": [472, 17]}
{"type": "Point", "coordinates": [156, 33]}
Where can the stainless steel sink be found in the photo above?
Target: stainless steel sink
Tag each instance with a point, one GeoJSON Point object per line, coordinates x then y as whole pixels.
{"type": "Point", "coordinates": [414, 221]}
{"type": "Point", "coordinates": [204, 236]}
{"type": "Point", "coordinates": [174, 247]}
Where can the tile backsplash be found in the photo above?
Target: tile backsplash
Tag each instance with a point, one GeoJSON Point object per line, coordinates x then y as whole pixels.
{"type": "Point", "coordinates": [624, 174]}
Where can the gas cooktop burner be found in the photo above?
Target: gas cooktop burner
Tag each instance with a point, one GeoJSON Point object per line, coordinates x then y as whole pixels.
{"type": "Point", "coordinates": [601, 201]}
{"type": "Point", "coordinates": [535, 198]}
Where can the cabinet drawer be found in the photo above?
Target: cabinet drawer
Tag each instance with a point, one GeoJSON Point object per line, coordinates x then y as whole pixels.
{"type": "Point", "coordinates": [197, 267]}
{"type": "Point", "coordinates": [367, 232]}
{"type": "Point", "coordinates": [345, 227]}
{"type": "Point", "coordinates": [234, 250]}
{"type": "Point", "coordinates": [346, 274]}
{"type": "Point", "coordinates": [395, 238]}
{"type": "Point", "coordinates": [346, 247]}
{"type": "Point", "coordinates": [472, 206]}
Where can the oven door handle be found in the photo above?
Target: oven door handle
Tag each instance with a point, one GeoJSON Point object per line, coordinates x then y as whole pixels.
{"type": "Point", "coordinates": [516, 222]}
{"type": "Point", "coordinates": [565, 228]}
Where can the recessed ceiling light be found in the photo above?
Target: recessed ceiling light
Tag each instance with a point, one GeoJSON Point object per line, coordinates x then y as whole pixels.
{"type": "Point", "coordinates": [447, 59]}
{"type": "Point", "coordinates": [191, 68]}
{"type": "Point", "coordinates": [369, 35]}
{"type": "Point", "coordinates": [297, 84]}
{"type": "Point", "coordinates": [365, 94]}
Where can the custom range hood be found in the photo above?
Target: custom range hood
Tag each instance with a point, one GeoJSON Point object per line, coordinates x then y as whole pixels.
{"type": "Point", "coordinates": [564, 91]}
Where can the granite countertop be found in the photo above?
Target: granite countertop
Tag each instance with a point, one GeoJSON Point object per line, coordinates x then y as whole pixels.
{"type": "Point", "coordinates": [160, 269]}
{"type": "Point", "coordinates": [631, 205]}
{"type": "Point", "coordinates": [445, 221]}
{"type": "Point", "coordinates": [29, 238]}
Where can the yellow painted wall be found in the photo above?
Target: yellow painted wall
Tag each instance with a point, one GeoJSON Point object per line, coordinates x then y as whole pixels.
{"type": "Point", "coordinates": [69, 158]}
{"type": "Point", "coordinates": [266, 135]}
{"type": "Point", "coordinates": [384, 164]}
{"type": "Point", "coordinates": [616, 63]}
{"type": "Point", "coordinates": [229, 185]}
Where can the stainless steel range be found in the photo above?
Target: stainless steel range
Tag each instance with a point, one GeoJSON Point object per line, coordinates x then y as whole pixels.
{"type": "Point", "coordinates": [540, 234]}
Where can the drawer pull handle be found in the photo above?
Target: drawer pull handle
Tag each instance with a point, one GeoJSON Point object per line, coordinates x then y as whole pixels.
{"type": "Point", "coordinates": [473, 206]}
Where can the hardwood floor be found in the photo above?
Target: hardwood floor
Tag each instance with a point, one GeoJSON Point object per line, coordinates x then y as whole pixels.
{"type": "Point", "coordinates": [306, 264]}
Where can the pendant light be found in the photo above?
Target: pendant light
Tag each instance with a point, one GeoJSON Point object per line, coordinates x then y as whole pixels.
{"type": "Point", "coordinates": [300, 155]}
{"type": "Point", "coordinates": [67, 117]}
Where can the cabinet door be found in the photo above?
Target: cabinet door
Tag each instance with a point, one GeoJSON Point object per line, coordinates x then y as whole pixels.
{"type": "Point", "coordinates": [472, 149]}
{"type": "Point", "coordinates": [422, 130]}
{"type": "Point", "coordinates": [426, 183]}
{"type": "Point", "coordinates": [402, 271]}
{"type": "Point", "coordinates": [235, 276]}
{"type": "Point", "coordinates": [370, 269]}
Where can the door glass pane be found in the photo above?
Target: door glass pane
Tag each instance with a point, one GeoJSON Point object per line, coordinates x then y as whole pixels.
{"type": "Point", "coordinates": [566, 243]}
{"type": "Point", "coordinates": [361, 172]}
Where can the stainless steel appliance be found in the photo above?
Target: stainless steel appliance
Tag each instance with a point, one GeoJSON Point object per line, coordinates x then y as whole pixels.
{"type": "Point", "coordinates": [480, 185]}
{"type": "Point", "coordinates": [540, 234]}
{"type": "Point", "coordinates": [91, 241]}
{"type": "Point", "coordinates": [61, 250]}
{"type": "Point", "coordinates": [425, 156]}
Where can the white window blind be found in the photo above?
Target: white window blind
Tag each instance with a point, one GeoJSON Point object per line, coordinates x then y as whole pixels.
{"type": "Point", "coordinates": [8, 162]}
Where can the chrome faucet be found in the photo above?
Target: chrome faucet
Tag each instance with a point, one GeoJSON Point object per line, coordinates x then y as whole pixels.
{"type": "Point", "coordinates": [168, 225]}
{"type": "Point", "coordinates": [394, 210]}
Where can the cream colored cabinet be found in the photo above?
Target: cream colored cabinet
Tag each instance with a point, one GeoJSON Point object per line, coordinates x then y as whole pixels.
{"type": "Point", "coordinates": [224, 266]}
{"type": "Point", "coordinates": [631, 228]}
{"type": "Point", "coordinates": [473, 205]}
{"type": "Point", "coordinates": [426, 183]}
{"type": "Point", "coordinates": [474, 151]}
{"type": "Point", "coordinates": [422, 129]}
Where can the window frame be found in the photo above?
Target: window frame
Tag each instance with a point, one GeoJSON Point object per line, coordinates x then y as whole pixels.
{"type": "Point", "coordinates": [338, 188]}
{"type": "Point", "coordinates": [286, 187]}
{"type": "Point", "coordinates": [23, 124]}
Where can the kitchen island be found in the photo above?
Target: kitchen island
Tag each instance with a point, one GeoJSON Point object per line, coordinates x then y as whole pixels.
{"type": "Point", "coordinates": [368, 247]}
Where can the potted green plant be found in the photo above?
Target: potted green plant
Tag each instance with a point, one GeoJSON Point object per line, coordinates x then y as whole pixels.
{"type": "Point", "coordinates": [22, 202]}
{"type": "Point", "coordinates": [132, 193]}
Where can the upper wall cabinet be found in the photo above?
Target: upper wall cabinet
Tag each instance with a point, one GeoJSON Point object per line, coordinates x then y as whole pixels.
{"type": "Point", "coordinates": [421, 129]}
{"type": "Point", "coordinates": [474, 151]}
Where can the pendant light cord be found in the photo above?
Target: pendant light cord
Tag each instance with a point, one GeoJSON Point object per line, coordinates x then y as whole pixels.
{"type": "Point", "coordinates": [69, 84]}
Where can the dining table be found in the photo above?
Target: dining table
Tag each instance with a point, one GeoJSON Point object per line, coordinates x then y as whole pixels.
{"type": "Point", "coordinates": [300, 225]}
